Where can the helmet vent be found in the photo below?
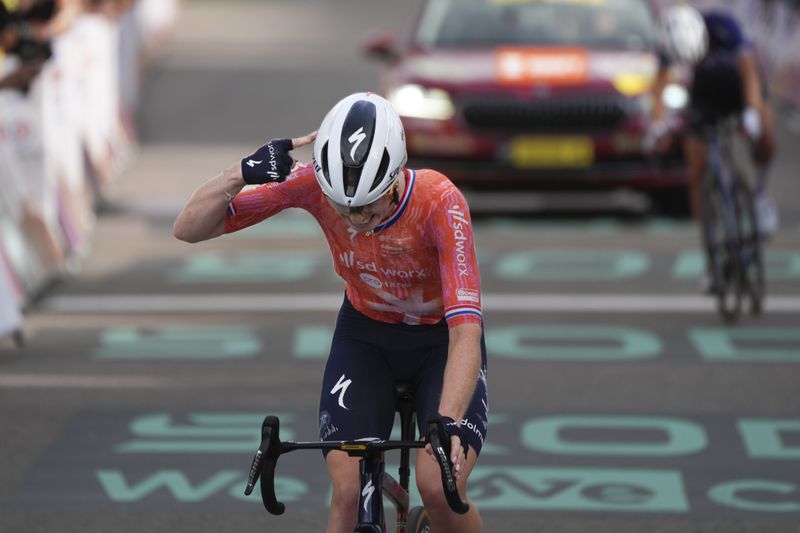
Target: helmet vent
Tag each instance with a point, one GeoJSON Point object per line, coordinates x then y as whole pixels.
{"type": "Point", "coordinates": [384, 166]}
{"type": "Point", "coordinates": [351, 178]}
{"type": "Point", "coordinates": [324, 164]}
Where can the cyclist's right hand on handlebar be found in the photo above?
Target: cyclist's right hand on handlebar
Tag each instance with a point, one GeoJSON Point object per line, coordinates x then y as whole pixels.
{"type": "Point", "coordinates": [272, 161]}
{"type": "Point", "coordinates": [445, 446]}
{"type": "Point", "coordinates": [457, 444]}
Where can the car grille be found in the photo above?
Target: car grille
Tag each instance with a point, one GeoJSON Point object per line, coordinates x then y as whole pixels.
{"type": "Point", "coordinates": [564, 115]}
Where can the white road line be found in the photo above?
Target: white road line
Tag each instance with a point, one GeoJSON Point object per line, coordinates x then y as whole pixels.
{"type": "Point", "coordinates": [79, 382]}
{"type": "Point", "coordinates": [587, 303]}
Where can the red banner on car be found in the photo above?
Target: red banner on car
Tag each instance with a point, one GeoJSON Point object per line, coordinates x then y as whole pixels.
{"type": "Point", "coordinates": [557, 66]}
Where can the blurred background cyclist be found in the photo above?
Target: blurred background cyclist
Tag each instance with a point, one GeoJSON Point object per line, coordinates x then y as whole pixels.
{"type": "Point", "coordinates": [726, 79]}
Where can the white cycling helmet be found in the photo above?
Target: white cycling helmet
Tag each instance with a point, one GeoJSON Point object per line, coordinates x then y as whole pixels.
{"type": "Point", "coordinates": [360, 150]}
{"type": "Point", "coordinates": [684, 34]}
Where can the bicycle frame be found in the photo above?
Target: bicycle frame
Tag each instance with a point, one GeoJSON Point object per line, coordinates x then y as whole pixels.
{"type": "Point", "coordinates": [726, 183]}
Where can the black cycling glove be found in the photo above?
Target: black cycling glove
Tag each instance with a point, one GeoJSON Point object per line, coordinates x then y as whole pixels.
{"type": "Point", "coordinates": [271, 162]}
{"type": "Point", "coordinates": [452, 428]}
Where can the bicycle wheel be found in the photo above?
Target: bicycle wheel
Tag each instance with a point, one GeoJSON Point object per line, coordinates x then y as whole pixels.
{"type": "Point", "coordinates": [720, 244]}
{"type": "Point", "coordinates": [418, 520]}
{"type": "Point", "coordinates": [750, 254]}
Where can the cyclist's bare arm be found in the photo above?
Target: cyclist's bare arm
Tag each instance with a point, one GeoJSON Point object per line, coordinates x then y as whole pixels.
{"type": "Point", "coordinates": [657, 90]}
{"type": "Point", "coordinates": [460, 376]}
{"type": "Point", "coordinates": [203, 216]}
{"type": "Point", "coordinates": [751, 81]}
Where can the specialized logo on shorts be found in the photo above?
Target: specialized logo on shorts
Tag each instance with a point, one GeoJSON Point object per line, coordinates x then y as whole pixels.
{"type": "Point", "coordinates": [467, 295]}
{"type": "Point", "coordinates": [252, 163]}
{"type": "Point", "coordinates": [465, 423]}
{"type": "Point", "coordinates": [460, 223]}
{"type": "Point", "coordinates": [326, 426]}
{"type": "Point", "coordinates": [341, 388]}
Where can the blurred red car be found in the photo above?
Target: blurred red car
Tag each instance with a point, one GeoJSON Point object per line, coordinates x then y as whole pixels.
{"type": "Point", "coordinates": [508, 95]}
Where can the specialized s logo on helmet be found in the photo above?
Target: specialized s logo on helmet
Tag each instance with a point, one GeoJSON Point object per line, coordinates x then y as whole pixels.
{"type": "Point", "coordinates": [356, 139]}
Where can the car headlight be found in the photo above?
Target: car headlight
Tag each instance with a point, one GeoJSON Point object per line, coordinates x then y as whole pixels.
{"type": "Point", "coordinates": [419, 102]}
{"type": "Point", "coordinates": [675, 96]}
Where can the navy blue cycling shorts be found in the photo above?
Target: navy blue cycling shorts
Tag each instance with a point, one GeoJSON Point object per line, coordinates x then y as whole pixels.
{"type": "Point", "coordinates": [368, 357]}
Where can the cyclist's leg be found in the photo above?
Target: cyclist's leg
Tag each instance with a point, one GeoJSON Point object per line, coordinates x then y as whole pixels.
{"type": "Point", "coordinates": [763, 152]}
{"type": "Point", "coordinates": [428, 477]}
{"type": "Point", "coordinates": [695, 150]}
{"type": "Point", "coordinates": [356, 401]}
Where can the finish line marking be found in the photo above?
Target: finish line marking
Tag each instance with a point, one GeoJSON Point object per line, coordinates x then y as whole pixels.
{"type": "Point", "coordinates": [577, 303]}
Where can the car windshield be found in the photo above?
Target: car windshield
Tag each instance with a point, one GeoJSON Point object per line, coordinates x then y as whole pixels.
{"type": "Point", "coordinates": [600, 24]}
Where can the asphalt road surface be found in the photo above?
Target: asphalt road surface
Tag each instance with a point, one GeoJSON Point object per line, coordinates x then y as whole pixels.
{"type": "Point", "coordinates": [619, 401]}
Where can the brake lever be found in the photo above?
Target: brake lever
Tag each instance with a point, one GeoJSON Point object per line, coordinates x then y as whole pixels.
{"type": "Point", "coordinates": [440, 445]}
{"type": "Point", "coordinates": [263, 466]}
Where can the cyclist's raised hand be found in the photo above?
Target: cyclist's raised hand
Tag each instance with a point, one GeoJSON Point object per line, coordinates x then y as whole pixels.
{"type": "Point", "coordinates": [272, 161]}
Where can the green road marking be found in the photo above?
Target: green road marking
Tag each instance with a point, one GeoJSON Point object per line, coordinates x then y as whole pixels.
{"type": "Point", "coordinates": [572, 343]}
{"type": "Point", "coordinates": [763, 437]}
{"type": "Point", "coordinates": [489, 447]}
{"type": "Point", "coordinates": [232, 482]}
{"type": "Point", "coordinates": [680, 437]}
{"type": "Point", "coordinates": [178, 342]}
{"type": "Point", "coordinates": [174, 481]}
{"type": "Point", "coordinates": [779, 265]}
{"type": "Point", "coordinates": [595, 225]}
{"type": "Point", "coordinates": [577, 489]}
{"type": "Point", "coordinates": [668, 225]}
{"type": "Point", "coordinates": [690, 264]}
{"type": "Point", "coordinates": [525, 342]}
{"type": "Point", "coordinates": [200, 433]}
{"type": "Point", "coordinates": [287, 489]}
{"type": "Point", "coordinates": [262, 267]}
{"type": "Point", "coordinates": [738, 494]}
{"type": "Point", "coordinates": [753, 344]}
{"type": "Point", "coordinates": [312, 342]}
{"type": "Point", "coordinates": [573, 265]}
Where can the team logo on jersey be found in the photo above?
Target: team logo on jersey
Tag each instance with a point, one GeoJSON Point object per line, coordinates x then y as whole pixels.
{"type": "Point", "coordinates": [460, 223]}
{"type": "Point", "coordinates": [371, 280]}
{"type": "Point", "coordinates": [396, 245]}
{"type": "Point", "coordinates": [341, 387]}
{"type": "Point", "coordinates": [467, 295]}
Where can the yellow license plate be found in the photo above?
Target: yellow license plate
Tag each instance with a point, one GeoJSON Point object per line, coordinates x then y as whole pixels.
{"type": "Point", "coordinates": [552, 152]}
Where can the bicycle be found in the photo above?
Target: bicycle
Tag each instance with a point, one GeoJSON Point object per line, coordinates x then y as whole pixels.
{"type": "Point", "coordinates": [375, 481]}
{"type": "Point", "coordinates": [730, 233]}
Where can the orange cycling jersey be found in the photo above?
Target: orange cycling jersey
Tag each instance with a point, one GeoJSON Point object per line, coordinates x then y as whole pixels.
{"type": "Point", "coordinates": [416, 267]}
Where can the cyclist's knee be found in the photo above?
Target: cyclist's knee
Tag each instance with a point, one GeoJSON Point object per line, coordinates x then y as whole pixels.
{"type": "Point", "coordinates": [345, 496]}
{"type": "Point", "coordinates": [429, 483]}
{"type": "Point", "coordinates": [344, 475]}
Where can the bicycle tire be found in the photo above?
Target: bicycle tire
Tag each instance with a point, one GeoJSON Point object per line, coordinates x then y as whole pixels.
{"type": "Point", "coordinates": [721, 252]}
{"type": "Point", "coordinates": [750, 253]}
{"type": "Point", "coordinates": [418, 520]}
